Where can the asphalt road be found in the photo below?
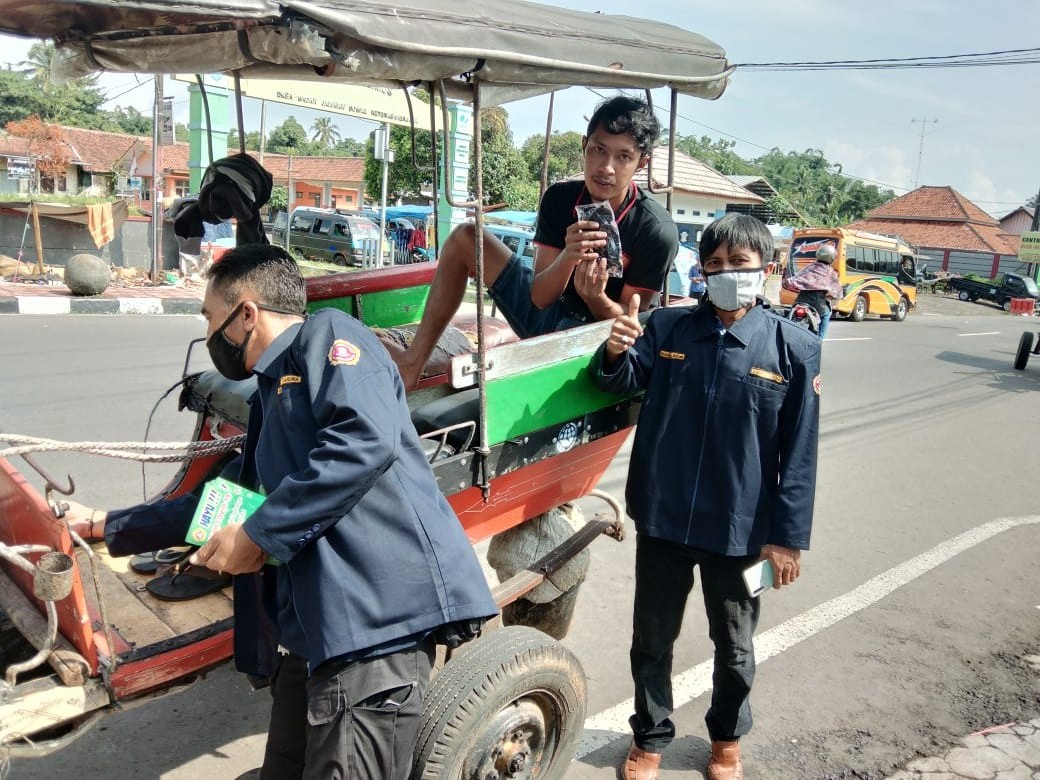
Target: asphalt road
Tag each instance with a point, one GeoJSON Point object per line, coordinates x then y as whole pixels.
{"type": "Point", "coordinates": [910, 627]}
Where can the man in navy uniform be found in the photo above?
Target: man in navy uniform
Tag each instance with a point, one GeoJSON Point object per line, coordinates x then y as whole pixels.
{"type": "Point", "coordinates": [722, 474]}
{"type": "Point", "coordinates": [374, 565]}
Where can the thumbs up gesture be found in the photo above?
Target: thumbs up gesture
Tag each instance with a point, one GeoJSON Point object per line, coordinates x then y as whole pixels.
{"type": "Point", "coordinates": [625, 330]}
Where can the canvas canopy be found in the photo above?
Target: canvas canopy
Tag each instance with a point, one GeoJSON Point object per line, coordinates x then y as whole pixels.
{"type": "Point", "coordinates": [514, 48]}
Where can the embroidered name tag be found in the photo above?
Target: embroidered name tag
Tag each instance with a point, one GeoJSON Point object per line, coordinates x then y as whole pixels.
{"type": "Point", "coordinates": [664, 353]}
{"type": "Point", "coordinates": [288, 379]}
{"type": "Point", "coordinates": [762, 373]}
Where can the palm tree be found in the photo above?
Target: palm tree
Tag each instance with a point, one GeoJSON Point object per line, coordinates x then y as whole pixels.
{"type": "Point", "coordinates": [325, 133]}
{"type": "Point", "coordinates": [40, 64]}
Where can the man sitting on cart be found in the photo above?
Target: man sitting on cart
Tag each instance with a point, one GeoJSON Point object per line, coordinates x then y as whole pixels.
{"type": "Point", "coordinates": [569, 284]}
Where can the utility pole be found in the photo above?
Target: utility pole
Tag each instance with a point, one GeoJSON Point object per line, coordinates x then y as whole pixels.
{"type": "Point", "coordinates": [920, 148]}
{"type": "Point", "coordinates": [1036, 214]}
{"type": "Point", "coordinates": [157, 182]}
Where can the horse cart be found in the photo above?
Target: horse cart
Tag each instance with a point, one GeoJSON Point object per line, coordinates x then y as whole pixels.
{"type": "Point", "coordinates": [515, 428]}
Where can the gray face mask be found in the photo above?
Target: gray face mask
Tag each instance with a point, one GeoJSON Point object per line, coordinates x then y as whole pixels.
{"type": "Point", "coordinates": [732, 290]}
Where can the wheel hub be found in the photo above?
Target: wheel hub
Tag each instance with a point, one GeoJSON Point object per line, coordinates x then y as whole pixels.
{"type": "Point", "coordinates": [512, 744]}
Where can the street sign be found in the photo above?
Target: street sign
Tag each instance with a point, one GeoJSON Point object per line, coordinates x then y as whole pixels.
{"type": "Point", "coordinates": [19, 168]}
{"type": "Point", "coordinates": [1029, 249]}
{"type": "Point", "coordinates": [166, 132]}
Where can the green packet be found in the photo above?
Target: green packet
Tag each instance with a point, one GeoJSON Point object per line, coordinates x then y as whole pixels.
{"type": "Point", "coordinates": [222, 503]}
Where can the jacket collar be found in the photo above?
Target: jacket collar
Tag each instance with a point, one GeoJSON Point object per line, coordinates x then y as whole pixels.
{"type": "Point", "coordinates": [276, 348]}
{"type": "Point", "coordinates": [743, 330]}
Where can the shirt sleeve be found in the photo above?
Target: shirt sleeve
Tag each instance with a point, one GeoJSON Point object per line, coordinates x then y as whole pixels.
{"type": "Point", "coordinates": [357, 421]}
{"type": "Point", "coordinates": [799, 440]}
{"type": "Point", "coordinates": [630, 372]}
{"type": "Point", "coordinates": [651, 255]}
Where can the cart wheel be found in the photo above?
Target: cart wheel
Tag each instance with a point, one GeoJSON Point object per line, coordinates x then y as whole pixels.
{"type": "Point", "coordinates": [509, 705]}
{"type": "Point", "coordinates": [901, 308]}
{"type": "Point", "coordinates": [859, 310]}
{"type": "Point", "coordinates": [1025, 345]}
{"type": "Point", "coordinates": [964, 295]}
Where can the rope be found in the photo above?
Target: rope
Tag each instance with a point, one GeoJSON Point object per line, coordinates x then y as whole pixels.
{"type": "Point", "coordinates": [189, 450]}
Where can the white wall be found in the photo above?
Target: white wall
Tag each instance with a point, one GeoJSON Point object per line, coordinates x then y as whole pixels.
{"type": "Point", "coordinates": [693, 211]}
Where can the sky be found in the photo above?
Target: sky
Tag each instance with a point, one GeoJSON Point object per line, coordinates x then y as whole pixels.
{"type": "Point", "coordinates": [970, 128]}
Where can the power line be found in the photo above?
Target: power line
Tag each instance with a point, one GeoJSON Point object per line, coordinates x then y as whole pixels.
{"type": "Point", "coordinates": [978, 59]}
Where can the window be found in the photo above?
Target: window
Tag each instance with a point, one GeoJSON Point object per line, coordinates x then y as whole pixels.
{"type": "Point", "coordinates": [302, 223]}
{"type": "Point", "coordinates": [339, 229]}
{"type": "Point", "coordinates": [299, 194]}
{"type": "Point", "coordinates": [695, 213]}
{"type": "Point", "coordinates": [322, 227]}
{"type": "Point", "coordinates": [680, 211]}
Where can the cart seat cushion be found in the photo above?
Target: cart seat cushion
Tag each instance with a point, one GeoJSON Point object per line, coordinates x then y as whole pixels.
{"type": "Point", "coordinates": [450, 410]}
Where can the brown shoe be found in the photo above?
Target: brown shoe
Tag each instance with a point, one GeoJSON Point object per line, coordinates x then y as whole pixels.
{"type": "Point", "coordinates": [724, 763]}
{"type": "Point", "coordinates": [640, 765]}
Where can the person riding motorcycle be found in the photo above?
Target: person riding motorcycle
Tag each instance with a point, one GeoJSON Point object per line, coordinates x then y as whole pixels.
{"type": "Point", "coordinates": [818, 285]}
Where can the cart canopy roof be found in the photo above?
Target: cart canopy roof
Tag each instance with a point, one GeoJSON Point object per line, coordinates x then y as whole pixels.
{"type": "Point", "coordinates": [515, 48]}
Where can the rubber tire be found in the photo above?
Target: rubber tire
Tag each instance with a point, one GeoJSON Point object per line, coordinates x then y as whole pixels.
{"type": "Point", "coordinates": [1025, 346]}
{"type": "Point", "coordinates": [1006, 305]}
{"type": "Point", "coordinates": [964, 295]}
{"type": "Point", "coordinates": [339, 259]}
{"type": "Point", "coordinates": [901, 309]}
{"type": "Point", "coordinates": [502, 669]}
{"type": "Point", "coordinates": [859, 309]}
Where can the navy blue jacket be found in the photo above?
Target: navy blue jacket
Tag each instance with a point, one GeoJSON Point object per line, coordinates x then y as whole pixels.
{"type": "Point", "coordinates": [724, 457]}
{"type": "Point", "coordinates": [372, 555]}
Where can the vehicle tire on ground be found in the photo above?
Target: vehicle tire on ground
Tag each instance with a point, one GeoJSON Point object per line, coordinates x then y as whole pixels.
{"type": "Point", "coordinates": [1006, 305]}
{"type": "Point", "coordinates": [339, 259]}
{"type": "Point", "coordinates": [509, 704]}
{"type": "Point", "coordinates": [901, 309]}
{"type": "Point", "coordinates": [964, 295]}
{"type": "Point", "coordinates": [1025, 346]}
{"type": "Point", "coordinates": [859, 309]}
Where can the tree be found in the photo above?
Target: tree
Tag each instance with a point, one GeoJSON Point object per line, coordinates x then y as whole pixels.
{"type": "Point", "coordinates": [718, 154]}
{"type": "Point", "coordinates": [46, 146]}
{"type": "Point", "coordinates": [325, 133]}
{"type": "Point", "coordinates": [21, 98]}
{"type": "Point", "coordinates": [403, 178]}
{"type": "Point", "coordinates": [350, 147]}
{"type": "Point", "coordinates": [279, 200]}
{"type": "Point", "coordinates": [502, 164]}
{"type": "Point", "coordinates": [288, 138]}
{"type": "Point", "coordinates": [131, 121]}
{"type": "Point", "coordinates": [565, 155]}
{"type": "Point", "coordinates": [252, 141]}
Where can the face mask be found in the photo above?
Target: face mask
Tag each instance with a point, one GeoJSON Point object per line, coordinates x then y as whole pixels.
{"type": "Point", "coordinates": [228, 357]}
{"type": "Point", "coordinates": [732, 290]}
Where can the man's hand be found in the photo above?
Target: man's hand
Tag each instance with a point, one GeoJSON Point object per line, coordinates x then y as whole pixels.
{"type": "Point", "coordinates": [625, 330]}
{"type": "Point", "coordinates": [583, 241]}
{"type": "Point", "coordinates": [230, 550]}
{"type": "Point", "coordinates": [785, 561]}
{"type": "Point", "coordinates": [590, 280]}
{"type": "Point", "coordinates": [88, 523]}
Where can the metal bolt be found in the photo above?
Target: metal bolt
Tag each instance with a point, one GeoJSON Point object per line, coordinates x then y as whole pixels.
{"type": "Point", "coordinates": [518, 763]}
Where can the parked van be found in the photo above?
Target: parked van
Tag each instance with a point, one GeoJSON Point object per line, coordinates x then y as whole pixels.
{"type": "Point", "coordinates": [519, 240]}
{"type": "Point", "coordinates": [344, 238]}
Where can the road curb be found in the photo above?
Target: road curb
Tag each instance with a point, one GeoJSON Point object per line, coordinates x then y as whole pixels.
{"type": "Point", "coordinates": [39, 304]}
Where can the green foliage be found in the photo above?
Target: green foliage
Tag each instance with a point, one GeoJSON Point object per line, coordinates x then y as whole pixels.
{"type": "Point", "coordinates": [503, 164]}
{"type": "Point", "coordinates": [279, 200]}
{"type": "Point", "coordinates": [521, 195]}
{"type": "Point", "coordinates": [349, 147]}
{"type": "Point", "coordinates": [252, 141]}
{"type": "Point", "coordinates": [132, 121]}
{"type": "Point", "coordinates": [565, 157]}
{"type": "Point", "coordinates": [403, 178]}
{"type": "Point", "coordinates": [326, 134]}
{"type": "Point", "coordinates": [288, 138]}
{"type": "Point", "coordinates": [718, 154]}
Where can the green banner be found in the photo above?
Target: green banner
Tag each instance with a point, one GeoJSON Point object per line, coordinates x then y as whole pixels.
{"type": "Point", "coordinates": [1029, 250]}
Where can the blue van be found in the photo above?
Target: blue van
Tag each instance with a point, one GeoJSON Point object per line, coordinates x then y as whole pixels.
{"type": "Point", "coordinates": [519, 240]}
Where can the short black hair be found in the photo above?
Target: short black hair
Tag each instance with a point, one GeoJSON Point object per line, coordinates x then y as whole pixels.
{"type": "Point", "coordinates": [268, 271]}
{"type": "Point", "coordinates": [624, 114]}
{"type": "Point", "coordinates": [738, 230]}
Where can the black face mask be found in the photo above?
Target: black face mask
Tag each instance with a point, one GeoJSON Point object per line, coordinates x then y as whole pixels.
{"type": "Point", "coordinates": [228, 357]}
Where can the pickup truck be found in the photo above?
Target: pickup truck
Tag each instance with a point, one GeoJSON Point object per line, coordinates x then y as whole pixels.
{"type": "Point", "coordinates": [1000, 291]}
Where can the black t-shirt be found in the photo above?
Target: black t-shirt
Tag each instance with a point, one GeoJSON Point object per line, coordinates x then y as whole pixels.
{"type": "Point", "coordinates": [649, 239]}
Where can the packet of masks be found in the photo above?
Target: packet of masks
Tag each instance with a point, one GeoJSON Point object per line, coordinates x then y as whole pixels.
{"type": "Point", "coordinates": [222, 503]}
{"type": "Point", "coordinates": [602, 213]}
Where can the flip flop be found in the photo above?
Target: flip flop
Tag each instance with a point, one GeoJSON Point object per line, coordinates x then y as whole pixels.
{"type": "Point", "coordinates": [189, 583]}
{"type": "Point", "coordinates": [149, 563]}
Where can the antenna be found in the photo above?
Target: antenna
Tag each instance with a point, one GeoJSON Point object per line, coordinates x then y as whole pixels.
{"type": "Point", "coordinates": [920, 148]}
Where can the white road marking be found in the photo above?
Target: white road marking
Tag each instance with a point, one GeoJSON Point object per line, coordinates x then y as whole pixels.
{"type": "Point", "coordinates": [612, 724]}
{"type": "Point", "coordinates": [984, 333]}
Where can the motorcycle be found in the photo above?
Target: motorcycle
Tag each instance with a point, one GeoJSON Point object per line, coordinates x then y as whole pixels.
{"type": "Point", "coordinates": [805, 315]}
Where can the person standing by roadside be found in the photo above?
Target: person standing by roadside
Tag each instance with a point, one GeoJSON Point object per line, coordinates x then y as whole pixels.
{"type": "Point", "coordinates": [722, 474]}
{"type": "Point", "coordinates": [373, 566]}
{"type": "Point", "coordinates": [818, 285]}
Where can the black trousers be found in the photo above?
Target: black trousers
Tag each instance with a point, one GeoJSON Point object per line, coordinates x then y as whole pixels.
{"type": "Point", "coordinates": [664, 578]}
{"type": "Point", "coordinates": [356, 720]}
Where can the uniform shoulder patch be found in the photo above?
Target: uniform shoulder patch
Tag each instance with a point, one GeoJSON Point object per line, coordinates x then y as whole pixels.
{"type": "Point", "coordinates": [816, 384]}
{"type": "Point", "coordinates": [343, 353]}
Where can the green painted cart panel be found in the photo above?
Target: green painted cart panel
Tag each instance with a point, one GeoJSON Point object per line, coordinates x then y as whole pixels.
{"type": "Point", "coordinates": [384, 309]}
{"type": "Point", "coordinates": [542, 397]}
